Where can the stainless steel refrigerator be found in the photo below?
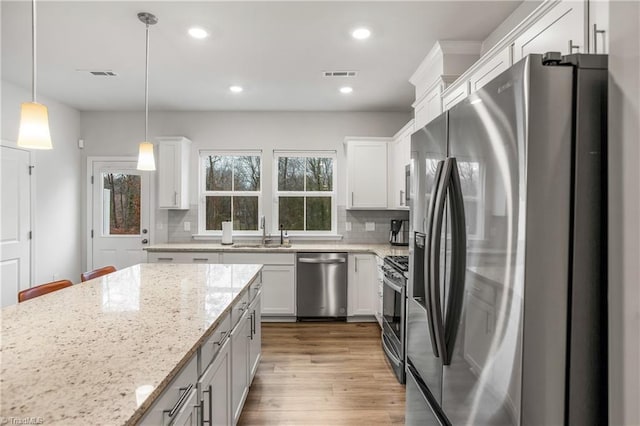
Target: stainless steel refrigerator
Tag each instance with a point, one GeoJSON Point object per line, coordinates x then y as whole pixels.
{"type": "Point", "coordinates": [506, 315]}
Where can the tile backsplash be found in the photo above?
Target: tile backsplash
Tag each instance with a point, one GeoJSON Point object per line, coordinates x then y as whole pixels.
{"type": "Point", "coordinates": [357, 218]}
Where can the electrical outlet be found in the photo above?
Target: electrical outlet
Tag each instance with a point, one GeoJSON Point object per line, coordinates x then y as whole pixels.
{"type": "Point", "coordinates": [187, 226]}
{"type": "Point", "coordinates": [347, 226]}
{"type": "Point", "coordinates": [369, 226]}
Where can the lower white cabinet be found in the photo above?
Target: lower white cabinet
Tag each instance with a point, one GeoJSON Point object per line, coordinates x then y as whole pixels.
{"type": "Point", "coordinates": [215, 389]}
{"type": "Point", "coordinates": [188, 415]}
{"type": "Point", "coordinates": [183, 257]}
{"type": "Point", "coordinates": [255, 340]}
{"type": "Point", "coordinates": [240, 364]}
{"type": "Point", "coordinates": [361, 298]}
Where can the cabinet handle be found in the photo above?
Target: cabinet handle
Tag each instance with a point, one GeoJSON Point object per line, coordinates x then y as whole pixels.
{"type": "Point", "coordinates": [401, 197]}
{"type": "Point", "coordinates": [180, 401]}
{"type": "Point", "coordinates": [351, 198]}
{"type": "Point", "coordinates": [596, 31]}
{"type": "Point", "coordinates": [200, 259]}
{"type": "Point", "coordinates": [251, 324]}
{"type": "Point", "coordinates": [356, 263]}
{"type": "Point", "coordinates": [166, 259]}
{"type": "Point", "coordinates": [209, 391]}
{"type": "Point", "coordinates": [175, 198]}
{"type": "Point", "coordinates": [573, 47]}
{"type": "Point", "coordinates": [222, 338]}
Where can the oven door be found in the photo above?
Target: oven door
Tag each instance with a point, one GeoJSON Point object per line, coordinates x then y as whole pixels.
{"type": "Point", "coordinates": [393, 315]}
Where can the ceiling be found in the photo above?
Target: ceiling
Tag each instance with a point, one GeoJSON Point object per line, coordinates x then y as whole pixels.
{"type": "Point", "coordinates": [275, 50]}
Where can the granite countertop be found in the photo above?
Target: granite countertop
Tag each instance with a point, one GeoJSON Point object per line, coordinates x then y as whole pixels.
{"type": "Point", "coordinates": [378, 249]}
{"type": "Point", "coordinates": [78, 355]}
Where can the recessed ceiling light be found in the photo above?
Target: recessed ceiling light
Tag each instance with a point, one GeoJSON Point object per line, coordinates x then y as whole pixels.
{"type": "Point", "coordinates": [198, 33]}
{"type": "Point", "coordinates": [361, 33]}
{"type": "Point", "coordinates": [346, 89]}
{"type": "Point", "coordinates": [236, 89]}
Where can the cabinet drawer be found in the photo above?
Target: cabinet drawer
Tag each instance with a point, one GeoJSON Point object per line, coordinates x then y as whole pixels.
{"type": "Point", "coordinates": [183, 257]}
{"type": "Point", "coordinates": [239, 308]}
{"type": "Point", "coordinates": [255, 288]}
{"type": "Point", "coordinates": [181, 387]}
{"type": "Point", "coordinates": [212, 345]}
{"type": "Point", "coordinates": [259, 258]}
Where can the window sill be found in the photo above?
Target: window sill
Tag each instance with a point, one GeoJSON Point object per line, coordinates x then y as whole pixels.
{"type": "Point", "coordinates": [305, 237]}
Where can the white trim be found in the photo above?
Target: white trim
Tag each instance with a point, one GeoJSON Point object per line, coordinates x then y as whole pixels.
{"type": "Point", "coordinates": [32, 208]}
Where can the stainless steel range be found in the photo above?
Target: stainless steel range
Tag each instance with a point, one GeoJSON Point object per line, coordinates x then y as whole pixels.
{"type": "Point", "coordinates": [395, 271]}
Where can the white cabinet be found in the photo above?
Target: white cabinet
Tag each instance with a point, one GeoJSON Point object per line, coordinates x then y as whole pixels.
{"type": "Point", "coordinates": [173, 172]}
{"type": "Point", "coordinates": [490, 69]}
{"type": "Point", "coordinates": [362, 285]}
{"type": "Point", "coordinates": [240, 364]}
{"type": "Point", "coordinates": [561, 29]}
{"type": "Point", "coordinates": [428, 107]}
{"type": "Point", "coordinates": [278, 280]}
{"type": "Point", "coordinates": [183, 257]}
{"type": "Point", "coordinates": [255, 340]}
{"type": "Point", "coordinates": [215, 389]}
{"type": "Point", "coordinates": [399, 158]}
{"type": "Point", "coordinates": [598, 26]}
{"type": "Point", "coordinates": [367, 173]}
{"type": "Point", "coordinates": [188, 414]}
{"type": "Point", "coordinates": [455, 94]}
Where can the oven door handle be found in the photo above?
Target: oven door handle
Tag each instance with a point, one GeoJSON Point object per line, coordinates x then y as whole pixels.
{"type": "Point", "coordinates": [390, 354]}
{"type": "Point", "coordinates": [393, 286]}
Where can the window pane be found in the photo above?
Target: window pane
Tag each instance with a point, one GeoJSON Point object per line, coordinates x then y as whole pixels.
{"type": "Point", "coordinates": [218, 210]}
{"type": "Point", "coordinates": [246, 175]}
{"type": "Point", "coordinates": [218, 172]}
{"type": "Point", "coordinates": [121, 204]}
{"type": "Point", "coordinates": [245, 213]}
{"type": "Point", "coordinates": [318, 213]}
{"type": "Point", "coordinates": [471, 217]}
{"type": "Point", "coordinates": [319, 174]}
{"type": "Point", "coordinates": [291, 174]}
{"type": "Point", "coordinates": [469, 177]}
{"type": "Point", "coordinates": [291, 213]}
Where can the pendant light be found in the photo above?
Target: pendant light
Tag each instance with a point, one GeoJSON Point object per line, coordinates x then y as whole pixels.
{"type": "Point", "coordinates": [34, 117]}
{"type": "Point", "coordinates": [146, 160]}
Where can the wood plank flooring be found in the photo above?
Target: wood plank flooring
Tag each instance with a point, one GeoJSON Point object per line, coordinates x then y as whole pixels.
{"type": "Point", "coordinates": [323, 374]}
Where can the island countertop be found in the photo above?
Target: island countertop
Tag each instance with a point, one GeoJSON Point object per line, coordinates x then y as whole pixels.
{"type": "Point", "coordinates": [78, 355]}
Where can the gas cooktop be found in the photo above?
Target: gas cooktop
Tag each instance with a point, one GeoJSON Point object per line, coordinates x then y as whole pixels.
{"type": "Point", "coordinates": [401, 263]}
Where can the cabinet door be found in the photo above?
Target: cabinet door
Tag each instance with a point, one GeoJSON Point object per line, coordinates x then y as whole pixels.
{"type": "Point", "coordinates": [216, 389]}
{"type": "Point", "coordinates": [491, 69]}
{"type": "Point", "coordinates": [188, 415]}
{"type": "Point", "coordinates": [278, 290]}
{"type": "Point", "coordinates": [563, 26]}
{"type": "Point", "coordinates": [168, 164]}
{"type": "Point", "coordinates": [183, 257]}
{"type": "Point", "coordinates": [401, 157]}
{"type": "Point", "coordinates": [367, 174]}
{"type": "Point", "coordinates": [455, 95]}
{"type": "Point", "coordinates": [255, 342]}
{"type": "Point", "coordinates": [240, 365]}
{"type": "Point", "coordinates": [429, 107]}
{"type": "Point", "coordinates": [362, 285]}
{"type": "Point", "coordinates": [598, 26]}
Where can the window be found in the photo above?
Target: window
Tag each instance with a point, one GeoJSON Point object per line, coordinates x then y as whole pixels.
{"type": "Point", "coordinates": [305, 191]}
{"type": "Point", "coordinates": [230, 190]}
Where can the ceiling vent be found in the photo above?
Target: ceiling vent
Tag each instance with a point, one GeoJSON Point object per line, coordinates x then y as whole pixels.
{"type": "Point", "coordinates": [340, 73]}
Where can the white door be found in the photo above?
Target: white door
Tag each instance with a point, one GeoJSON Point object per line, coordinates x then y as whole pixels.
{"type": "Point", "coordinates": [121, 203]}
{"type": "Point", "coordinates": [15, 242]}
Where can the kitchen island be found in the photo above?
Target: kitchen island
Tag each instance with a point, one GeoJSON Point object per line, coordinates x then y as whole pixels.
{"type": "Point", "coordinates": [102, 352]}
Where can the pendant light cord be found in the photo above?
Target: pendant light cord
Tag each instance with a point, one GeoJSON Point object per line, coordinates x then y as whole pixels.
{"type": "Point", "coordinates": [33, 50]}
{"type": "Point", "coordinates": [146, 90]}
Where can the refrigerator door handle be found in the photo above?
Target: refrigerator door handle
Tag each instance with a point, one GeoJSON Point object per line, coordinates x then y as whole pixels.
{"type": "Point", "coordinates": [434, 308]}
{"type": "Point", "coordinates": [428, 254]}
{"type": "Point", "coordinates": [458, 262]}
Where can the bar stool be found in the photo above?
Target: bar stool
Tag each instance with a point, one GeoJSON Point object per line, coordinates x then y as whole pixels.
{"type": "Point", "coordinates": [41, 289]}
{"type": "Point", "coordinates": [97, 273]}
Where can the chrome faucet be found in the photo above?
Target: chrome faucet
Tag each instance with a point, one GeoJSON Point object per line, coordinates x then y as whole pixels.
{"type": "Point", "coordinates": [265, 240]}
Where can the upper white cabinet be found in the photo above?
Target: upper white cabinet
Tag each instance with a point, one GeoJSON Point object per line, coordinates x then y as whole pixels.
{"type": "Point", "coordinates": [173, 172]}
{"type": "Point", "coordinates": [490, 69]}
{"type": "Point", "coordinates": [455, 95]}
{"type": "Point", "coordinates": [561, 29]}
{"type": "Point", "coordinates": [399, 158]}
{"type": "Point", "coordinates": [367, 172]}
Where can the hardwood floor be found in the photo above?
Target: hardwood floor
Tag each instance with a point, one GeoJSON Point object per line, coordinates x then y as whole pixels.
{"type": "Point", "coordinates": [323, 374]}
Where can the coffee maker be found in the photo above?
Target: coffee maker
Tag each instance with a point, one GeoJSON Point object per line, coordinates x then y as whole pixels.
{"type": "Point", "coordinates": [399, 233]}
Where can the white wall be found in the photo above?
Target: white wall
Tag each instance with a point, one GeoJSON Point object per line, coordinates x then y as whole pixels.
{"type": "Point", "coordinates": [118, 133]}
{"type": "Point", "coordinates": [624, 213]}
{"type": "Point", "coordinates": [57, 233]}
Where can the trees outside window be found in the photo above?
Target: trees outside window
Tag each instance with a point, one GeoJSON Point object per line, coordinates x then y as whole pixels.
{"type": "Point", "coordinates": [305, 191]}
{"type": "Point", "coordinates": [230, 190]}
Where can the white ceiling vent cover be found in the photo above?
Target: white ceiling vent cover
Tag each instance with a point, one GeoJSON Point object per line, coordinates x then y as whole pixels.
{"type": "Point", "coordinates": [339, 73]}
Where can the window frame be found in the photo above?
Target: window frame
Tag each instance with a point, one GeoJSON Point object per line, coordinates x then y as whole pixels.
{"type": "Point", "coordinates": [333, 194]}
{"type": "Point", "coordinates": [203, 193]}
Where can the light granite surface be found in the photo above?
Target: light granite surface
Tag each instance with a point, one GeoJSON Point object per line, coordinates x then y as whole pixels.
{"type": "Point", "coordinates": [378, 249]}
{"type": "Point", "coordinates": [78, 355]}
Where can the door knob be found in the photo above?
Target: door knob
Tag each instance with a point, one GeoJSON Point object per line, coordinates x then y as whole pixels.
{"type": "Point", "coordinates": [145, 241]}
{"type": "Point", "coordinates": [144, 231]}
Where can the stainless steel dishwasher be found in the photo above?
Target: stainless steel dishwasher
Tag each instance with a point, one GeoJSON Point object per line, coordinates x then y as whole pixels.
{"type": "Point", "coordinates": [321, 284]}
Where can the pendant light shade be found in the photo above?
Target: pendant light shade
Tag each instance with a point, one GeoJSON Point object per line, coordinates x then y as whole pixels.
{"type": "Point", "coordinates": [34, 117]}
{"type": "Point", "coordinates": [146, 160]}
{"type": "Point", "coordinates": [34, 127]}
